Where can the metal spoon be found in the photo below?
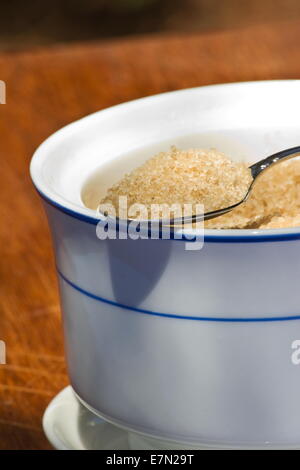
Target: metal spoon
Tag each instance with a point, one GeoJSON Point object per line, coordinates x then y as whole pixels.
{"type": "Point", "coordinates": [256, 170]}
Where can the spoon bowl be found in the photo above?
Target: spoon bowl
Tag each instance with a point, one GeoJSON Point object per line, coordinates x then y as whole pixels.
{"type": "Point", "coordinates": [256, 170]}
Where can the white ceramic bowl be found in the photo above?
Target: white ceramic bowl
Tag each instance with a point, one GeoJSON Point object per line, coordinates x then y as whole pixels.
{"type": "Point", "coordinates": [191, 346]}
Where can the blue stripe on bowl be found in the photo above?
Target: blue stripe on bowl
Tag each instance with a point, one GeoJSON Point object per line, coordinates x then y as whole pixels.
{"type": "Point", "coordinates": [171, 315]}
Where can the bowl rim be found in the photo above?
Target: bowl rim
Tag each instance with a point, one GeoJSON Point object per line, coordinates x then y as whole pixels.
{"type": "Point", "coordinates": [90, 216]}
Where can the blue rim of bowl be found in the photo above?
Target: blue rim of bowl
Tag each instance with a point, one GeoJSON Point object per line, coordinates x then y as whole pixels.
{"type": "Point", "coordinates": [254, 237]}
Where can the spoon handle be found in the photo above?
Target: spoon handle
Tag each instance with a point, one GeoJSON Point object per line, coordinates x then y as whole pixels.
{"type": "Point", "coordinates": [262, 165]}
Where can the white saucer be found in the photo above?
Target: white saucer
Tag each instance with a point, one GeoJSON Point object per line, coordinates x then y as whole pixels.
{"type": "Point", "coordinates": [68, 425]}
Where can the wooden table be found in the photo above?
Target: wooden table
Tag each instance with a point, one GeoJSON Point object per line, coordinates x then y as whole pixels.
{"type": "Point", "coordinates": [47, 89]}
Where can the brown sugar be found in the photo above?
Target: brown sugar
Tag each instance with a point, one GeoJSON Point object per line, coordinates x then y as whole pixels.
{"type": "Point", "coordinates": [211, 178]}
{"type": "Point", "coordinates": [184, 177]}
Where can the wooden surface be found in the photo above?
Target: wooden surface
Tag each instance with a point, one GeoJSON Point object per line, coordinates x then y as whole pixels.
{"type": "Point", "coordinates": [47, 89]}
